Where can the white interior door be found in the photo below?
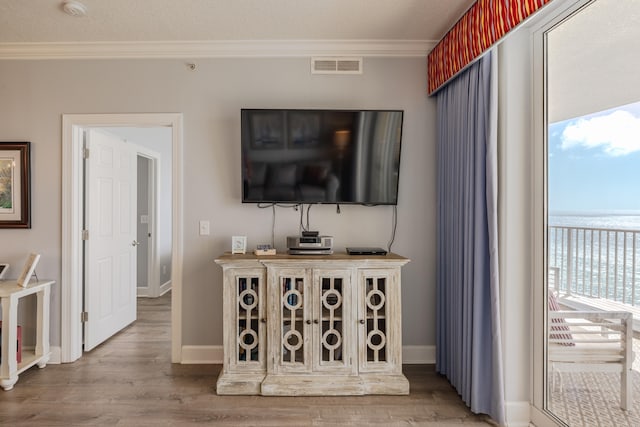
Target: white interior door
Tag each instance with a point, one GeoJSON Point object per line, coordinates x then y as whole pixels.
{"type": "Point", "coordinates": [110, 251]}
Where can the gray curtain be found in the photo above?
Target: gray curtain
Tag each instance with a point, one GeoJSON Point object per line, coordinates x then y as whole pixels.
{"type": "Point", "coordinates": [468, 310]}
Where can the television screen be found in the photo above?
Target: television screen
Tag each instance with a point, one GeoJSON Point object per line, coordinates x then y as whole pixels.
{"type": "Point", "coordinates": [320, 156]}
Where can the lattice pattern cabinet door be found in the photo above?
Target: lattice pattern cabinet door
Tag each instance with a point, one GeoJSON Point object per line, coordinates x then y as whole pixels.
{"type": "Point", "coordinates": [250, 320]}
{"type": "Point", "coordinates": [379, 321]}
{"type": "Point", "coordinates": [334, 329]}
{"type": "Point", "coordinates": [245, 328]}
{"type": "Point", "coordinates": [290, 308]}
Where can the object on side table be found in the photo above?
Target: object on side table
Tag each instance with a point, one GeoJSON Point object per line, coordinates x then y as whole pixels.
{"type": "Point", "coordinates": [365, 250]}
{"type": "Point", "coordinates": [3, 270]}
{"type": "Point", "coordinates": [264, 250]}
{"type": "Point", "coordinates": [29, 268]}
{"type": "Point", "coordinates": [238, 244]}
{"type": "Point", "coordinates": [19, 342]}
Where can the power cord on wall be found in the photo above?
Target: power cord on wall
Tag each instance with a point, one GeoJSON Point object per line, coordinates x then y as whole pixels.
{"type": "Point", "coordinates": [308, 209]}
{"type": "Point", "coordinates": [393, 228]}
{"type": "Point", "coordinates": [295, 206]}
{"type": "Point", "coordinates": [273, 220]}
{"type": "Point", "coordinates": [301, 224]}
{"type": "Point", "coordinates": [273, 225]}
{"type": "Point", "coordinates": [300, 206]}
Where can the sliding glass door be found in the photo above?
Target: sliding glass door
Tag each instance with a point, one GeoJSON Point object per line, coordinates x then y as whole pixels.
{"type": "Point", "coordinates": [592, 215]}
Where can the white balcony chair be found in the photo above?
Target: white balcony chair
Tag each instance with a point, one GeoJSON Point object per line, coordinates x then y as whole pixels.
{"type": "Point", "coordinates": [592, 341]}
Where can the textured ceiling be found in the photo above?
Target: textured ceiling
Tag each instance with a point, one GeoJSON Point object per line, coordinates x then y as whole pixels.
{"type": "Point", "coordinates": [36, 21]}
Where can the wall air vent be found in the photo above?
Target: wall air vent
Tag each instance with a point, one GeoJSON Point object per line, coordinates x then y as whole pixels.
{"type": "Point", "coordinates": [336, 65]}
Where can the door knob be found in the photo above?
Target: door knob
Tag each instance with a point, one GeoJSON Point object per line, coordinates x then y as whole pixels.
{"type": "Point", "coordinates": [135, 243]}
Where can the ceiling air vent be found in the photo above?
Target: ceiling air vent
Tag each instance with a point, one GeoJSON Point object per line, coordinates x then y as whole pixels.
{"type": "Point", "coordinates": [336, 65]}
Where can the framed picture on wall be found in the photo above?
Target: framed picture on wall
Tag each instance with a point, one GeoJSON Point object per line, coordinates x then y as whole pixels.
{"type": "Point", "coordinates": [15, 185]}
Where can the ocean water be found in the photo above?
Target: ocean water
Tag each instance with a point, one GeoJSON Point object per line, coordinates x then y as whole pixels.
{"type": "Point", "coordinates": [616, 221]}
{"type": "Point", "coordinates": [604, 262]}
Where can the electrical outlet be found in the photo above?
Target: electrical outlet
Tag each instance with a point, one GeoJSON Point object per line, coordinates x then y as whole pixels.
{"type": "Point", "coordinates": [204, 228]}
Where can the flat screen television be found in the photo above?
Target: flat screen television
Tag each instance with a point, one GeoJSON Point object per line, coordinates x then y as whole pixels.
{"type": "Point", "coordinates": [321, 156]}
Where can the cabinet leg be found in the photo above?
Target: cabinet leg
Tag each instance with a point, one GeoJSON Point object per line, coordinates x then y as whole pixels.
{"type": "Point", "coordinates": [7, 384]}
{"type": "Point", "coordinates": [42, 363]}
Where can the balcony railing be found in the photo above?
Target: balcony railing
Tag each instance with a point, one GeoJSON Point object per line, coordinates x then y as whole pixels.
{"type": "Point", "coordinates": [595, 262]}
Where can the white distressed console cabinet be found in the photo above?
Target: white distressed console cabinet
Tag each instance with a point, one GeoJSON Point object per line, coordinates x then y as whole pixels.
{"type": "Point", "coordinates": [312, 325]}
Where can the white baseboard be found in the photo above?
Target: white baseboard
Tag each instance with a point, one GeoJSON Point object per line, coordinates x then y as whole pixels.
{"type": "Point", "coordinates": [202, 354]}
{"type": "Point", "coordinates": [418, 354]}
{"type": "Point", "coordinates": [143, 292]}
{"type": "Point", "coordinates": [517, 414]}
{"type": "Point", "coordinates": [146, 291]}
{"type": "Point", "coordinates": [56, 355]}
{"type": "Point", "coordinates": [165, 287]}
{"type": "Point", "coordinates": [213, 354]}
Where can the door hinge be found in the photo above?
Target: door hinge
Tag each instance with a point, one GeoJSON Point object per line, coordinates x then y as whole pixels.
{"type": "Point", "coordinates": [85, 234]}
{"type": "Point", "coordinates": [84, 317]}
{"type": "Point", "coordinates": [85, 153]}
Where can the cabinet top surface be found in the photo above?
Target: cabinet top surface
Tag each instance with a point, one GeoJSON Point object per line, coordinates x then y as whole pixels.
{"type": "Point", "coordinates": [339, 256]}
{"type": "Point", "coordinates": [10, 287]}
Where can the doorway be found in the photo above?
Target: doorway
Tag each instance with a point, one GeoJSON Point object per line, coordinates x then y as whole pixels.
{"type": "Point", "coordinates": [71, 287]}
{"type": "Point", "coordinates": [154, 201]}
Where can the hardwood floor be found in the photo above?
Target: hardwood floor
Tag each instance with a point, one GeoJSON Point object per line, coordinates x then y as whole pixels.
{"type": "Point", "coordinates": [130, 381]}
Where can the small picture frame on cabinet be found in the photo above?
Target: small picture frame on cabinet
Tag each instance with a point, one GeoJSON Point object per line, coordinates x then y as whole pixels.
{"type": "Point", "coordinates": [3, 270]}
{"type": "Point", "coordinates": [28, 270]}
{"type": "Point", "coordinates": [238, 244]}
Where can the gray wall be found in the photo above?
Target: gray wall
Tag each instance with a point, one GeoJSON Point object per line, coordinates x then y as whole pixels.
{"type": "Point", "coordinates": [35, 94]}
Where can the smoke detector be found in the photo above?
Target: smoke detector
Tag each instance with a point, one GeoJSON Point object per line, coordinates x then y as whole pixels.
{"type": "Point", "coordinates": [74, 8]}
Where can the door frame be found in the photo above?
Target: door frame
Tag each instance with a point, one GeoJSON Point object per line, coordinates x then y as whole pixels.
{"type": "Point", "coordinates": [71, 288]}
{"type": "Point", "coordinates": [540, 413]}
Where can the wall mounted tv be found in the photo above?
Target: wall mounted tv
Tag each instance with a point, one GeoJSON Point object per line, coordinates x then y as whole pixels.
{"type": "Point", "coordinates": [321, 156]}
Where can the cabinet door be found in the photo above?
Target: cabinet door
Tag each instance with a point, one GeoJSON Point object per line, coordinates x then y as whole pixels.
{"type": "Point", "coordinates": [292, 329]}
{"type": "Point", "coordinates": [380, 330]}
{"type": "Point", "coordinates": [333, 344]}
{"type": "Point", "coordinates": [246, 340]}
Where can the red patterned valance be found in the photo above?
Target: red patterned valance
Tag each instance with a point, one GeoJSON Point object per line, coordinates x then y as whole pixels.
{"type": "Point", "coordinates": [486, 22]}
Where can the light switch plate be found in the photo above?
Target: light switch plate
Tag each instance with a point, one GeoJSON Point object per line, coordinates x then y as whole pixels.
{"type": "Point", "coordinates": [204, 228]}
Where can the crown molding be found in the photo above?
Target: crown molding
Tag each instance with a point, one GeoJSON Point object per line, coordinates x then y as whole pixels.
{"type": "Point", "coordinates": [217, 49]}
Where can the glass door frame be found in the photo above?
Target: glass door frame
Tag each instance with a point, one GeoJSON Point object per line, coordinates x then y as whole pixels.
{"type": "Point", "coordinates": [540, 414]}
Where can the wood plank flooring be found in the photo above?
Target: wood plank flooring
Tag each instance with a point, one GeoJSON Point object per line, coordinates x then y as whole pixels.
{"type": "Point", "coordinates": [130, 381]}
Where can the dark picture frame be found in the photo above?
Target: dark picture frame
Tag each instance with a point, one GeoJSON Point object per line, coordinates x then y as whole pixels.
{"type": "Point", "coordinates": [267, 130]}
{"type": "Point", "coordinates": [304, 129]}
{"type": "Point", "coordinates": [15, 185]}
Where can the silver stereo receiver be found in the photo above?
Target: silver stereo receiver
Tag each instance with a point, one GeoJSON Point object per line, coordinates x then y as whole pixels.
{"type": "Point", "coordinates": [310, 242]}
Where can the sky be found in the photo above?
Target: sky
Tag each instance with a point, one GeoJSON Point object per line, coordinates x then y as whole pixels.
{"type": "Point", "coordinates": [594, 162]}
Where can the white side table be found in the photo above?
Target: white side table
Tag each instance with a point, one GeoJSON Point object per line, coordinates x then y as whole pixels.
{"type": "Point", "coordinates": [10, 294]}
